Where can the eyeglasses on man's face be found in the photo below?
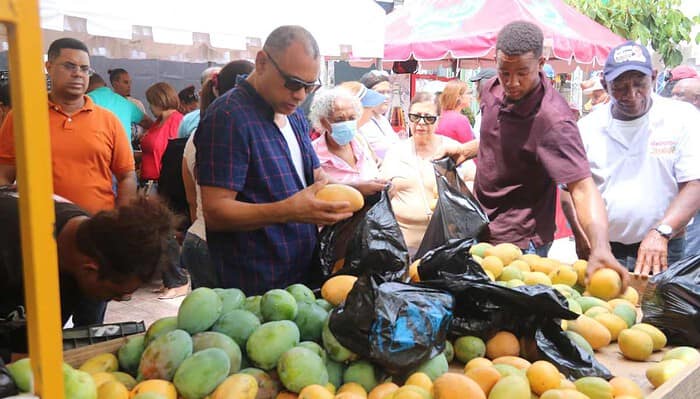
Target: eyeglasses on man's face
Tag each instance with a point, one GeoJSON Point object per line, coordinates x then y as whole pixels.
{"type": "Point", "coordinates": [429, 119]}
{"type": "Point", "coordinates": [292, 83]}
{"type": "Point", "coordinates": [73, 68]}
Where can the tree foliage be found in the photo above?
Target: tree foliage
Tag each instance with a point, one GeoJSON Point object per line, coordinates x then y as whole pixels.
{"type": "Point", "coordinates": [659, 22]}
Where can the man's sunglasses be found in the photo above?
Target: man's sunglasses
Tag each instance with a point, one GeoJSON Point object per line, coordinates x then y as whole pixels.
{"type": "Point", "coordinates": [429, 119]}
{"type": "Point", "coordinates": [292, 83]}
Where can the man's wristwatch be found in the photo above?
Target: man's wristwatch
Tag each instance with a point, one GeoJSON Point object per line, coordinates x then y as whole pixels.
{"type": "Point", "coordinates": [665, 230]}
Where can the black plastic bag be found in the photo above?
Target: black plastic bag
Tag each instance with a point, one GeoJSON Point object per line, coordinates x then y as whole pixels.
{"type": "Point", "coordinates": [483, 308]}
{"type": "Point", "coordinates": [671, 302]}
{"type": "Point", "coordinates": [555, 346]}
{"type": "Point", "coordinates": [369, 242]}
{"type": "Point", "coordinates": [452, 258]}
{"type": "Point", "coordinates": [395, 325]}
{"type": "Point", "coordinates": [7, 384]}
{"type": "Point", "coordinates": [457, 215]}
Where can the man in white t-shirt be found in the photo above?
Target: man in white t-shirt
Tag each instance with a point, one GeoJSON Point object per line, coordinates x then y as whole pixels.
{"type": "Point", "coordinates": [644, 153]}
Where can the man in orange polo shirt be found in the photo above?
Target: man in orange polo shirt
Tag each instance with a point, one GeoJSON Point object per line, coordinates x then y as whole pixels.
{"type": "Point", "coordinates": [88, 143]}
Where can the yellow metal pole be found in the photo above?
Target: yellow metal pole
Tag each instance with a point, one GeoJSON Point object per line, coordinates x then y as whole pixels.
{"type": "Point", "coordinates": [35, 183]}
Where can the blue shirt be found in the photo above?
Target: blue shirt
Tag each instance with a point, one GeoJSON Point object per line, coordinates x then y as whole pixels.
{"type": "Point", "coordinates": [125, 110]}
{"type": "Point", "coordinates": [189, 124]}
{"type": "Point", "coordinates": [240, 148]}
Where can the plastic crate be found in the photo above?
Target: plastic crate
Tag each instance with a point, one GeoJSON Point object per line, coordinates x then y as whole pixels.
{"type": "Point", "coordinates": [83, 336]}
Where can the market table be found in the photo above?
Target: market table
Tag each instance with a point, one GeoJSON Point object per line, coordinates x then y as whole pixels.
{"type": "Point", "coordinates": [685, 385]}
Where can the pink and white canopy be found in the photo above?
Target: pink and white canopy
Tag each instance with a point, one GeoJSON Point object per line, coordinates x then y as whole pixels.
{"type": "Point", "coordinates": [458, 29]}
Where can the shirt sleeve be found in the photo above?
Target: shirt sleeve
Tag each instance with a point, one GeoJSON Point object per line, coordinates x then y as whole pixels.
{"type": "Point", "coordinates": [136, 114]}
{"type": "Point", "coordinates": [7, 141]}
{"type": "Point", "coordinates": [561, 152]}
{"type": "Point", "coordinates": [391, 165]}
{"type": "Point", "coordinates": [122, 156]}
{"type": "Point", "coordinates": [223, 151]}
{"type": "Point", "coordinates": [687, 168]}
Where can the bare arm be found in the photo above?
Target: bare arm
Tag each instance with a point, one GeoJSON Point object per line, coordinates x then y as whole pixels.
{"type": "Point", "coordinates": [190, 190]}
{"type": "Point", "coordinates": [223, 212]}
{"type": "Point", "coordinates": [461, 152]}
{"type": "Point", "coordinates": [146, 122]}
{"type": "Point", "coordinates": [653, 250]}
{"type": "Point", "coordinates": [591, 213]}
{"type": "Point", "coordinates": [583, 248]}
{"type": "Point", "coordinates": [126, 188]}
{"type": "Point", "coordinates": [8, 174]}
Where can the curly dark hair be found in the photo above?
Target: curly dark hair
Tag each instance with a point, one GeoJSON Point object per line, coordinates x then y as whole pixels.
{"type": "Point", "coordinates": [520, 37]}
{"type": "Point", "coordinates": [128, 241]}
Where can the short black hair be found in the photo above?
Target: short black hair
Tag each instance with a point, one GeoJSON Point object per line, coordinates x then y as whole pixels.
{"type": "Point", "coordinates": [188, 95]}
{"type": "Point", "coordinates": [65, 42]}
{"type": "Point", "coordinates": [115, 73]}
{"type": "Point", "coordinates": [520, 37]}
{"type": "Point", "coordinates": [282, 37]}
{"type": "Point", "coordinates": [96, 79]}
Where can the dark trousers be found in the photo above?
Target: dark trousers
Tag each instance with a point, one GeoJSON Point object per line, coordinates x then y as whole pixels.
{"type": "Point", "coordinates": [88, 312]}
{"type": "Point", "coordinates": [173, 274]}
{"type": "Point", "coordinates": [626, 254]}
{"type": "Point", "coordinates": [195, 258]}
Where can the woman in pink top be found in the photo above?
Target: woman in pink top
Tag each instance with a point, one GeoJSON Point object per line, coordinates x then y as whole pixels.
{"type": "Point", "coordinates": [452, 123]}
{"type": "Point", "coordinates": [164, 103]}
{"type": "Point", "coordinates": [344, 156]}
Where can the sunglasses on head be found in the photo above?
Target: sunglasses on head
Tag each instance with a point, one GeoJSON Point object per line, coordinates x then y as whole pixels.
{"type": "Point", "coordinates": [429, 119]}
{"type": "Point", "coordinates": [292, 83]}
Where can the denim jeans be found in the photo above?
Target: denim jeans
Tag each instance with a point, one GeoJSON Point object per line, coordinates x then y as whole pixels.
{"type": "Point", "coordinates": [626, 254]}
{"type": "Point", "coordinates": [173, 275]}
{"type": "Point", "coordinates": [541, 251]}
{"type": "Point", "coordinates": [195, 258]}
{"type": "Point", "coordinates": [692, 237]}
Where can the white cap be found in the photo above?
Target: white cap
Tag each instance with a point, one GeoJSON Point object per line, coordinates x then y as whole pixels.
{"type": "Point", "coordinates": [596, 86]}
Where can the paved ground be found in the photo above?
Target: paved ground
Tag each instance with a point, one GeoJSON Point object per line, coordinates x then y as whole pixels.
{"type": "Point", "coordinates": [145, 305]}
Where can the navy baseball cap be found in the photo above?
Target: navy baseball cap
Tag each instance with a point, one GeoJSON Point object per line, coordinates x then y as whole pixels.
{"type": "Point", "coordinates": [628, 56]}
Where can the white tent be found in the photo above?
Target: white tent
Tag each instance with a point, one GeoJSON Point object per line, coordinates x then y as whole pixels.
{"type": "Point", "coordinates": [212, 30]}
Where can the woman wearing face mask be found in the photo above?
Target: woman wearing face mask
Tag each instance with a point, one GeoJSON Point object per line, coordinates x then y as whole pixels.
{"type": "Point", "coordinates": [343, 154]}
{"type": "Point", "coordinates": [409, 168]}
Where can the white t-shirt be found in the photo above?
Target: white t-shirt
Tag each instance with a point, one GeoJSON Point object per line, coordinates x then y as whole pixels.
{"type": "Point", "coordinates": [294, 150]}
{"type": "Point", "coordinates": [638, 165]}
{"type": "Point", "coordinates": [198, 227]}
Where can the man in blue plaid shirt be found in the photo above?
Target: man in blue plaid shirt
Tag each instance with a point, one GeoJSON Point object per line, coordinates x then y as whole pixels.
{"type": "Point", "coordinates": [259, 173]}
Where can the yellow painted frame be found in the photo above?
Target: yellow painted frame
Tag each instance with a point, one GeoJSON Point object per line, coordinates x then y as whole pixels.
{"type": "Point", "coordinates": [35, 183]}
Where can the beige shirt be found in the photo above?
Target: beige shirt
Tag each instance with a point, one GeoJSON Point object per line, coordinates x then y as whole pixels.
{"type": "Point", "coordinates": [414, 189]}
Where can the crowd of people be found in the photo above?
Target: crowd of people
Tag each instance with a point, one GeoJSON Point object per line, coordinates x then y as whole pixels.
{"type": "Point", "coordinates": [250, 163]}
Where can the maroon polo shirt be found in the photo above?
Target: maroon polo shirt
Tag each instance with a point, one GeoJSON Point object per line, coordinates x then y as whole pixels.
{"type": "Point", "coordinates": [526, 149]}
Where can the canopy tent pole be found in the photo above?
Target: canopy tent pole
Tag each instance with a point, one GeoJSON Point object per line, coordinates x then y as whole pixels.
{"type": "Point", "coordinates": [35, 183]}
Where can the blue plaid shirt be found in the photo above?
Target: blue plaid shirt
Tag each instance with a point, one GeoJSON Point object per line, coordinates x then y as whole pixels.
{"type": "Point", "coordinates": [240, 148]}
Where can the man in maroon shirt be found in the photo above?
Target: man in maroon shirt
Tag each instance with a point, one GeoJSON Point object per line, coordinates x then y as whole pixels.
{"type": "Point", "coordinates": [530, 143]}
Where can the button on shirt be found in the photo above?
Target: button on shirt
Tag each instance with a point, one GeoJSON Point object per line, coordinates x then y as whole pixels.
{"type": "Point", "coordinates": [240, 148]}
{"type": "Point", "coordinates": [637, 165]}
{"type": "Point", "coordinates": [526, 148]}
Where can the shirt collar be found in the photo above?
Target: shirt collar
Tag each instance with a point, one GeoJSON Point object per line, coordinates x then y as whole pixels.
{"type": "Point", "coordinates": [258, 101]}
{"type": "Point", "coordinates": [88, 106]}
{"type": "Point", "coordinates": [321, 147]}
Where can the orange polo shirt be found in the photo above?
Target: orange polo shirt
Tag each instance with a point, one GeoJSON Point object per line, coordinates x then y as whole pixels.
{"type": "Point", "coordinates": [86, 149]}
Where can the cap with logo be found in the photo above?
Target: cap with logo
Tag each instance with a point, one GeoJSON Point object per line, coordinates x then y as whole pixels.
{"type": "Point", "coordinates": [628, 56]}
